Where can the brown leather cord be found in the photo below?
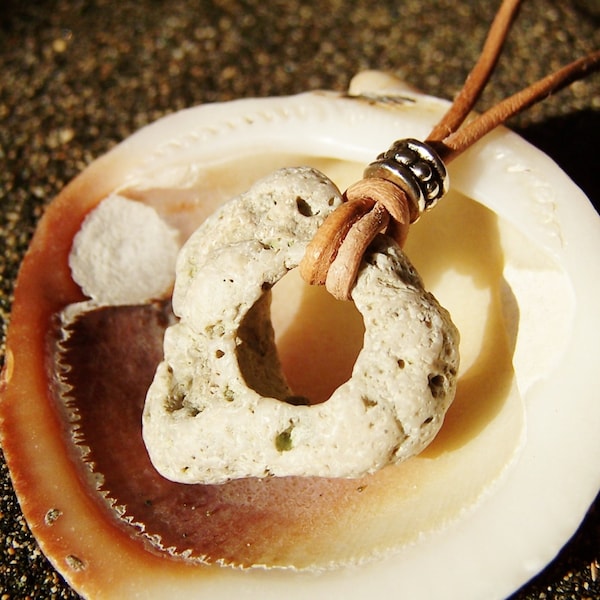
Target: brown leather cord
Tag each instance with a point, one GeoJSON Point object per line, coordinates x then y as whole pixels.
{"type": "Point", "coordinates": [390, 212]}
{"type": "Point", "coordinates": [460, 140]}
{"type": "Point", "coordinates": [385, 192]}
{"type": "Point", "coordinates": [478, 77]}
{"type": "Point", "coordinates": [334, 255]}
{"type": "Point", "coordinates": [343, 270]}
{"type": "Point", "coordinates": [323, 248]}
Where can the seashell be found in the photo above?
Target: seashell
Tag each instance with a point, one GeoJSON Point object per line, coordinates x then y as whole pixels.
{"type": "Point", "coordinates": [514, 280]}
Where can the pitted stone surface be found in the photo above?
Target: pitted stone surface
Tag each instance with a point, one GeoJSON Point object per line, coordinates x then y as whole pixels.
{"type": "Point", "coordinates": [205, 420]}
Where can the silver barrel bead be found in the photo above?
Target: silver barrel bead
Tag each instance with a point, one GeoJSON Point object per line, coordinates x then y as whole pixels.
{"type": "Point", "coordinates": [417, 169]}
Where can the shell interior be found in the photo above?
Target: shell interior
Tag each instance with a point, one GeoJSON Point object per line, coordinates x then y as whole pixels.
{"type": "Point", "coordinates": [490, 253]}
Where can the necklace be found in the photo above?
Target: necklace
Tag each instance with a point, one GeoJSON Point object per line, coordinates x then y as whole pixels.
{"type": "Point", "coordinates": [52, 517]}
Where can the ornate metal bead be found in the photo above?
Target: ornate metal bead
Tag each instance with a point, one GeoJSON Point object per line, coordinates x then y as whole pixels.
{"type": "Point", "coordinates": [416, 168]}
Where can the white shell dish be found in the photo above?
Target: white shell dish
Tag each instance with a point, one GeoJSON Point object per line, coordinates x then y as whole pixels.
{"type": "Point", "coordinates": [511, 252]}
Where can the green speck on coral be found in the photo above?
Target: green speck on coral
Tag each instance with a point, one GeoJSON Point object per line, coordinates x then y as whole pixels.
{"type": "Point", "coordinates": [283, 441]}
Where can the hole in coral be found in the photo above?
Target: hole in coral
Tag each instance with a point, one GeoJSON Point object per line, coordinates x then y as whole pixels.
{"type": "Point", "coordinates": [368, 403]}
{"type": "Point", "coordinates": [318, 338]}
{"type": "Point", "coordinates": [298, 344]}
{"type": "Point", "coordinates": [436, 385]}
{"type": "Point", "coordinates": [304, 208]}
{"type": "Point", "coordinates": [257, 354]}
